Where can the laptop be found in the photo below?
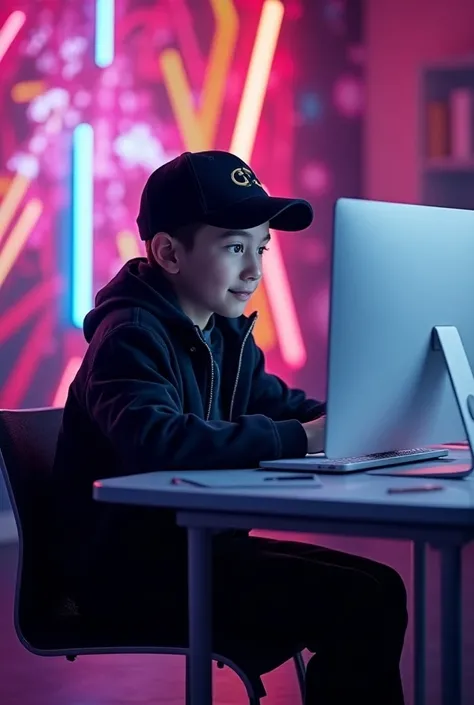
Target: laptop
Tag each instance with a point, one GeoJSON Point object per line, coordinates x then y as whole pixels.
{"type": "Point", "coordinates": [317, 462]}
{"type": "Point", "coordinates": [401, 341]}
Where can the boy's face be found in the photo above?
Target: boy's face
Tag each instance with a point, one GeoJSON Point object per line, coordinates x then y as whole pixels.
{"type": "Point", "coordinates": [221, 271]}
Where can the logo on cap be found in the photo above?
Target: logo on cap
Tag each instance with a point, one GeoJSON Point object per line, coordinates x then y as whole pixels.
{"type": "Point", "coordinates": [244, 177]}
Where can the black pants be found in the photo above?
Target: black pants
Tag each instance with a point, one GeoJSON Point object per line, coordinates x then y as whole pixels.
{"type": "Point", "coordinates": [271, 599]}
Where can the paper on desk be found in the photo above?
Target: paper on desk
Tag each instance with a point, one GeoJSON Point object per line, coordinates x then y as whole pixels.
{"type": "Point", "coordinates": [248, 479]}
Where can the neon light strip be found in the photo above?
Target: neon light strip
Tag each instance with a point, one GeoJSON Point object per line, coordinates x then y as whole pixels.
{"type": "Point", "coordinates": [9, 31]}
{"type": "Point", "coordinates": [277, 284]}
{"type": "Point", "coordinates": [289, 334]}
{"type": "Point", "coordinates": [27, 362]}
{"type": "Point", "coordinates": [198, 128]}
{"type": "Point", "coordinates": [181, 99]}
{"type": "Point", "coordinates": [104, 32]}
{"type": "Point", "coordinates": [5, 182]}
{"type": "Point", "coordinates": [184, 27]}
{"type": "Point", "coordinates": [28, 306]}
{"type": "Point", "coordinates": [255, 88]}
{"type": "Point", "coordinates": [221, 55]}
{"type": "Point", "coordinates": [66, 378]}
{"type": "Point", "coordinates": [82, 222]}
{"type": "Point", "coordinates": [12, 199]}
{"type": "Point", "coordinates": [18, 237]}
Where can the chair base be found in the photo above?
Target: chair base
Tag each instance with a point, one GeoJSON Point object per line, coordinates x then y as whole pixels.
{"type": "Point", "coordinates": [254, 686]}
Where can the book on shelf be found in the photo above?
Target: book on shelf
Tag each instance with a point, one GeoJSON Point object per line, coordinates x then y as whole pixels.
{"type": "Point", "coordinates": [450, 126]}
{"type": "Point", "coordinates": [461, 103]}
{"type": "Point", "coordinates": [438, 143]}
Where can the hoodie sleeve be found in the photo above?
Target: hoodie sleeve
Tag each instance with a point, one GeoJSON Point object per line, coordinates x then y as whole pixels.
{"type": "Point", "coordinates": [132, 395]}
{"type": "Point", "coordinates": [271, 397]}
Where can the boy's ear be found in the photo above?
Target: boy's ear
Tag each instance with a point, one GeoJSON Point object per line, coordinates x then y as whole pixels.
{"type": "Point", "coordinates": [164, 250]}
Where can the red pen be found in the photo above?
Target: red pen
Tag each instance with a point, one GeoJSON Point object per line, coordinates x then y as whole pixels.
{"type": "Point", "coordinates": [282, 478]}
{"type": "Point", "coordinates": [185, 481]}
{"type": "Point", "coordinates": [415, 488]}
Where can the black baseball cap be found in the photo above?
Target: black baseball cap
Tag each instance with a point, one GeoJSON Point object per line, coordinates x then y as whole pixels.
{"type": "Point", "coordinates": [214, 188]}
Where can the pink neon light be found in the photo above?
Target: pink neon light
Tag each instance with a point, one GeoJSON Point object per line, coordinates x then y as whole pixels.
{"type": "Point", "coordinates": [280, 298]}
{"type": "Point", "coordinates": [9, 31]}
{"type": "Point", "coordinates": [26, 364]}
{"type": "Point", "coordinates": [66, 379]}
{"type": "Point", "coordinates": [281, 301]}
{"type": "Point", "coordinates": [277, 285]}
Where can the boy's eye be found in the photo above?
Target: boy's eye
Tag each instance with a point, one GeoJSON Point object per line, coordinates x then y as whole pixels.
{"type": "Point", "coordinates": [236, 249]}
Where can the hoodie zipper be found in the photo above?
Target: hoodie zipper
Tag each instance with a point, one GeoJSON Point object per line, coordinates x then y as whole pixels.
{"type": "Point", "coordinates": [213, 376]}
{"type": "Point", "coordinates": [239, 366]}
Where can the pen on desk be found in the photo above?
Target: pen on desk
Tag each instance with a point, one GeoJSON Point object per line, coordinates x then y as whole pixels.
{"type": "Point", "coordinates": [185, 481]}
{"type": "Point", "coordinates": [414, 488]}
{"type": "Point", "coordinates": [288, 477]}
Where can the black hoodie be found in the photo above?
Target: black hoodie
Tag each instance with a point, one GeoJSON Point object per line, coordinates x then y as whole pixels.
{"type": "Point", "coordinates": [141, 400]}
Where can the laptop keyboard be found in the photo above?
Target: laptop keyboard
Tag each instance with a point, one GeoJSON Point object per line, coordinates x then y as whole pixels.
{"type": "Point", "coordinates": [380, 456]}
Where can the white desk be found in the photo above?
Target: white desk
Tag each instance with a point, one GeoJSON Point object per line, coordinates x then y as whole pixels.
{"type": "Point", "coordinates": [354, 505]}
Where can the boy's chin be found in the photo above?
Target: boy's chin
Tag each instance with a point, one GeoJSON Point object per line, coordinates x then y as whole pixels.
{"type": "Point", "coordinates": [232, 310]}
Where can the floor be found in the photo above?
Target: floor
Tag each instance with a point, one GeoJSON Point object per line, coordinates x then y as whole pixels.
{"type": "Point", "coordinates": [158, 680]}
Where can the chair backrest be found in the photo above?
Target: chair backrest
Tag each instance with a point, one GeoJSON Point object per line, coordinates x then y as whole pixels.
{"type": "Point", "coordinates": [28, 440]}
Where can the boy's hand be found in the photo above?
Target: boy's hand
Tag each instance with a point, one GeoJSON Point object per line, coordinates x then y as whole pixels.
{"type": "Point", "coordinates": [315, 433]}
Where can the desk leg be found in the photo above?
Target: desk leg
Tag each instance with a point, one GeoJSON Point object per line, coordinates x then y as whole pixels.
{"type": "Point", "coordinates": [200, 616]}
{"type": "Point", "coordinates": [419, 597]}
{"type": "Point", "coordinates": [451, 622]}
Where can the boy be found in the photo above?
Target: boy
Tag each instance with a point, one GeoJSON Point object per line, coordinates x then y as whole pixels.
{"type": "Point", "coordinates": [172, 379]}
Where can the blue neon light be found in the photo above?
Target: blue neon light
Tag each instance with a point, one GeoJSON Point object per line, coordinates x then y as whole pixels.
{"type": "Point", "coordinates": [104, 32]}
{"type": "Point", "coordinates": [82, 223]}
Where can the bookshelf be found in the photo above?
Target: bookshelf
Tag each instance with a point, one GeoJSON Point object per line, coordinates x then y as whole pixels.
{"type": "Point", "coordinates": [447, 134]}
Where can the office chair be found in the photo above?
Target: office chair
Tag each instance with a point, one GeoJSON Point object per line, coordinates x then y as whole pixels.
{"type": "Point", "coordinates": [27, 446]}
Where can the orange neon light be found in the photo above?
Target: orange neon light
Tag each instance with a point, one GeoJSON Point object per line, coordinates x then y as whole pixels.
{"type": "Point", "coordinates": [18, 237]}
{"type": "Point", "coordinates": [24, 91]}
{"type": "Point", "coordinates": [218, 66]}
{"type": "Point", "coordinates": [5, 182]}
{"type": "Point", "coordinates": [198, 126]}
{"type": "Point", "coordinates": [12, 199]}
